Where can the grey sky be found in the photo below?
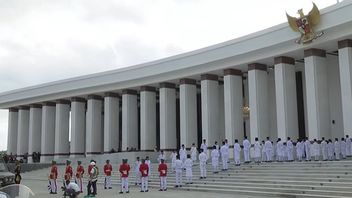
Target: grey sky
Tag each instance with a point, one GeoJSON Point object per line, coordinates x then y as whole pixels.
{"type": "Point", "coordinates": [42, 41]}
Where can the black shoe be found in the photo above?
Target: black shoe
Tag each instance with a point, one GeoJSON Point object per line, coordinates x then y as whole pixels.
{"type": "Point", "coordinates": [128, 191]}
{"type": "Point", "coordinates": [142, 191]}
{"type": "Point", "coordinates": [160, 189]}
{"type": "Point", "coordinates": [146, 191]}
{"type": "Point", "coordinates": [176, 186]}
{"type": "Point", "coordinates": [120, 192]}
{"type": "Point", "coordinates": [165, 189]}
{"type": "Point", "coordinates": [110, 187]}
{"type": "Point", "coordinates": [104, 187]}
{"type": "Point", "coordinates": [180, 186]}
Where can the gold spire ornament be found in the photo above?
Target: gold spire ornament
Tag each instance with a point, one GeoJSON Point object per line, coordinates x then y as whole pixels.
{"type": "Point", "coordinates": [305, 24]}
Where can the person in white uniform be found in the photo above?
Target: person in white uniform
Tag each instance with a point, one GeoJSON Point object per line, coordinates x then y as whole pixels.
{"type": "Point", "coordinates": [204, 146]}
{"type": "Point", "coordinates": [183, 153]}
{"type": "Point", "coordinates": [237, 153]}
{"type": "Point", "coordinates": [215, 159]}
{"type": "Point", "coordinates": [246, 150]}
{"type": "Point", "coordinates": [137, 172]}
{"type": "Point", "coordinates": [194, 152]}
{"type": "Point", "coordinates": [348, 146]}
{"type": "Point", "coordinates": [148, 162]}
{"type": "Point", "coordinates": [173, 160]}
{"type": "Point", "coordinates": [279, 150]}
{"type": "Point", "coordinates": [331, 149]}
{"type": "Point", "coordinates": [263, 151]}
{"type": "Point", "coordinates": [289, 149]}
{"type": "Point", "coordinates": [307, 149]}
{"type": "Point", "coordinates": [188, 166]}
{"type": "Point", "coordinates": [178, 171]}
{"type": "Point", "coordinates": [316, 150]}
{"type": "Point", "coordinates": [324, 149]}
{"type": "Point", "coordinates": [343, 148]}
{"type": "Point", "coordinates": [257, 150]}
{"type": "Point", "coordinates": [337, 149]}
{"type": "Point", "coordinates": [224, 151]}
{"type": "Point", "coordinates": [161, 156]}
{"type": "Point", "coordinates": [202, 164]}
{"type": "Point", "coordinates": [268, 149]}
{"type": "Point", "coordinates": [298, 150]}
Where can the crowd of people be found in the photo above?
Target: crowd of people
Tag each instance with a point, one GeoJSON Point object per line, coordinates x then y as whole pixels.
{"type": "Point", "coordinates": [184, 160]}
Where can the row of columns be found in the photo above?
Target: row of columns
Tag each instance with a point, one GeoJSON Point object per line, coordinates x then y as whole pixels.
{"type": "Point", "coordinates": [90, 136]}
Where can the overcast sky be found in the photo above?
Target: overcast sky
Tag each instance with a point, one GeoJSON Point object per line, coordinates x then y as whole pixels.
{"type": "Point", "coordinates": [43, 41]}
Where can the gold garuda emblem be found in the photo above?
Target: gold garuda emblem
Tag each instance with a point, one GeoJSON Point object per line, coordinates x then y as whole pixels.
{"type": "Point", "coordinates": [305, 24]}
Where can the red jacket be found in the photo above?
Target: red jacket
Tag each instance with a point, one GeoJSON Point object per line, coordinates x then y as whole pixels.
{"type": "Point", "coordinates": [144, 169]}
{"type": "Point", "coordinates": [124, 170]}
{"type": "Point", "coordinates": [162, 170]}
{"type": "Point", "coordinates": [89, 169]}
{"type": "Point", "coordinates": [68, 172]}
{"type": "Point", "coordinates": [107, 169]}
{"type": "Point", "coordinates": [79, 171]}
{"type": "Point", "coordinates": [53, 172]}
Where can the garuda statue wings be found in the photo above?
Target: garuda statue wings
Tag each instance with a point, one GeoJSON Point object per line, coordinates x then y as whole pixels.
{"type": "Point", "coordinates": [305, 24]}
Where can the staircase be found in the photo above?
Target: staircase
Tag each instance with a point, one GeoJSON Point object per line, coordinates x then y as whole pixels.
{"type": "Point", "coordinates": [294, 179]}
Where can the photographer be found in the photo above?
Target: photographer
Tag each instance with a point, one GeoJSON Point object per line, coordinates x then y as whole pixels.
{"type": "Point", "coordinates": [71, 190]}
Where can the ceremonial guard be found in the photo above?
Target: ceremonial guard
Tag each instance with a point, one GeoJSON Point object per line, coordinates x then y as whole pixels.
{"type": "Point", "coordinates": [144, 170]}
{"type": "Point", "coordinates": [79, 175]}
{"type": "Point", "coordinates": [178, 171]}
{"type": "Point", "coordinates": [343, 148]}
{"type": "Point", "coordinates": [324, 149]}
{"type": "Point", "coordinates": [204, 146]}
{"type": "Point", "coordinates": [183, 153]}
{"type": "Point", "coordinates": [237, 153]}
{"type": "Point", "coordinates": [289, 145]}
{"type": "Point", "coordinates": [202, 164]}
{"type": "Point", "coordinates": [331, 149]}
{"type": "Point", "coordinates": [246, 150]}
{"type": "Point", "coordinates": [337, 149]}
{"type": "Point", "coordinates": [215, 159]}
{"type": "Point", "coordinates": [316, 150]}
{"type": "Point", "coordinates": [162, 174]}
{"type": "Point", "coordinates": [68, 172]}
{"type": "Point", "coordinates": [299, 150]}
{"type": "Point", "coordinates": [53, 177]}
{"type": "Point", "coordinates": [124, 172]}
{"type": "Point", "coordinates": [194, 152]}
{"type": "Point", "coordinates": [257, 150]}
{"type": "Point", "coordinates": [224, 150]}
{"type": "Point", "coordinates": [107, 172]}
{"type": "Point", "coordinates": [348, 146]}
{"type": "Point", "coordinates": [148, 162]}
{"type": "Point", "coordinates": [268, 149]}
{"type": "Point", "coordinates": [173, 160]}
{"type": "Point", "coordinates": [188, 166]}
{"type": "Point", "coordinates": [161, 156]}
{"type": "Point", "coordinates": [137, 172]}
{"type": "Point", "coordinates": [307, 149]}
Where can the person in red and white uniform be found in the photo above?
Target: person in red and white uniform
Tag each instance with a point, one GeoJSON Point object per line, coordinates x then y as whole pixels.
{"type": "Point", "coordinates": [144, 170]}
{"type": "Point", "coordinates": [53, 177]}
{"type": "Point", "coordinates": [107, 172]}
{"type": "Point", "coordinates": [68, 172]}
{"type": "Point", "coordinates": [162, 173]}
{"type": "Point", "coordinates": [79, 175]}
{"type": "Point", "coordinates": [124, 171]}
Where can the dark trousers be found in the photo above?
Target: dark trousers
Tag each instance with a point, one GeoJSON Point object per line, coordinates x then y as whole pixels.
{"type": "Point", "coordinates": [92, 184]}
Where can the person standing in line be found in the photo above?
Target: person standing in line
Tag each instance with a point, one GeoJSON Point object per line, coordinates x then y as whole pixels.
{"type": "Point", "coordinates": [124, 172]}
{"type": "Point", "coordinates": [316, 150]}
{"type": "Point", "coordinates": [343, 148]}
{"type": "Point", "coordinates": [183, 153]}
{"type": "Point", "coordinates": [299, 150]}
{"type": "Point", "coordinates": [307, 149]}
{"type": "Point", "coordinates": [161, 156]}
{"type": "Point", "coordinates": [162, 174]}
{"type": "Point", "coordinates": [268, 149]}
{"type": "Point", "coordinates": [228, 150]}
{"type": "Point", "coordinates": [337, 149]}
{"type": "Point", "coordinates": [173, 160]}
{"type": "Point", "coordinates": [79, 175]}
{"type": "Point", "coordinates": [194, 152]}
{"type": "Point", "coordinates": [257, 150]}
{"type": "Point", "coordinates": [93, 178]}
{"type": "Point", "coordinates": [178, 171]}
{"type": "Point", "coordinates": [237, 153]}
{"type": "Point", "coordinates": [280, 150]}
{"type": "Point", "coordinates": [53, 178]}
{"type": "Point", "coordinates": [149, 163]}
{"type": "Point", "coordinates": [324, 149]}
{"type": "Point", "coordinates": [348, 146]}
{"type": "Point", "coordinates": [107, 172]}
{"type": "Point", "coordinates": [246, 150]}
{"type": "Point", "coordinates": [331, 149]}
{"type": "Point", "coordinates": [68, 172]}
{"type": "Point", "coordinates": [216, 145]}
{"type": "Point", "coordinates": [137, 173]}
{"type": "Point", "coordinates": [263, 151]}
{"type": "Point", "coordinates": [204, 146]}
{"type": "Point", "coordinates": [202, 164]}
{"type": "Point", "coordinates": [144, 170]}
{"type": "Point", "coordinates": [224, 150]}
{"type": "Point", "coordinates": [188, 166]}
{"type": "Point", "coordinates": [289, 145]}
{"type": "Point", "coordinates": [215, 159]}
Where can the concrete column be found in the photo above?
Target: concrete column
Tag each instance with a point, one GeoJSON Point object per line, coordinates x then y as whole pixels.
{"type": "Point", "coordinates": [345, 63]}
{"type": "Point", "coordinates": [35, 130]}
{"type": "Point", "coordinates": [210, 108]}
{"type": "Point", "coordinates": [221, 113]}
{"type": "Point", "coordinates": [23, 131]}
{"type": "Point", "coordinates": [317, 94]}
{"type": "Point", "coordinates": [111, 122]}
{"type": "Point", "coordinates": [62, 127]}
{"type": "Point", "coordinates": [148, 117]}
{"type": "Point", "coordinates": [233, 100]}
{"type": "Point", "coordinates": [167, 97]}
{"type": "Point", "coordinates": [78, 127]}
{"type": "Point", "coordinates": [12, 131]}
{"type": "Point", "coordinates": [48, 132]}
{"type": "Point", "coordinates": [286, 97]}
{"type": "Point", "coordinates": [258, 101]}
{"type": "Point", "coordinates": [188, 112]}
{"type": "Point", "coordinates": [94, 134]}
{"type": "Point", "coordinates": [129, 119]}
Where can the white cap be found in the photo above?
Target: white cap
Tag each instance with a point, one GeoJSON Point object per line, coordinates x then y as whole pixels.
{"type": "Point", "coordinates": [92, 163]}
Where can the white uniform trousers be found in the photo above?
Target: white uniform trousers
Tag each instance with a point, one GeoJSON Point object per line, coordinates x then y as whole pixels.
{"type": "Point", "coordinates": [189, 175]}
{"type": "Point", "coordinates": [53, 185]}
{"type": "Point", "coordinates": [144, 186]}
{"type": "Point", "coordinates": [268, 155]}
{"type": "Point", "coordinates": [178, 177]}
{"type": "Point", "coordinates": [124, 184]}
{"type": "Point", "coordinates": [138, 178]}
{"type": "Point", "coordinates": [107, 182]}
{"type": "Point", "coordinates": [246, 155]}
{"type": "Point", "coordinates": [163, 184]}
{"type": "Point", "coordinates": [225, 159]}
{"type": "Point", "coordinates": [203, 170]}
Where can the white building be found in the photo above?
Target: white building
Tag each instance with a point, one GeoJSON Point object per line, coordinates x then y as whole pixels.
{"type": "Point", "coordinates": [292, 90]}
